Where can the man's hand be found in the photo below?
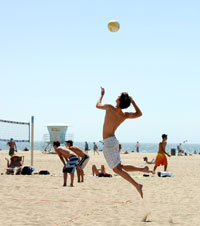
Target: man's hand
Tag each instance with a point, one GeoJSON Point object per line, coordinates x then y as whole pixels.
{"type": "Point", "coordinates": [102, 91]}
{"type": "Point", "coordinates": [131, 98]}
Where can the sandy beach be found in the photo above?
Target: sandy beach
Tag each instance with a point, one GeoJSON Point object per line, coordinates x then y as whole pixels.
{"type": "Point", "coordinates": [42, 200]}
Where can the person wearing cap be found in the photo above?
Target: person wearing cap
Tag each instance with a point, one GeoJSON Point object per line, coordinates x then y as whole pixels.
{"type": "Point", "coordinates": [13, 147]}
{"type": "Point", "coordinates": [161, 158]}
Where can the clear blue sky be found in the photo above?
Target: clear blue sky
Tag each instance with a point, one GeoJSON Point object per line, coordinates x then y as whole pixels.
{"type": "Point", "coordinates": [55, 55]}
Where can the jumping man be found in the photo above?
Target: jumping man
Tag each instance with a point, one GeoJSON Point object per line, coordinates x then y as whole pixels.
{"type": "Point", "coordinates": [113, 118]}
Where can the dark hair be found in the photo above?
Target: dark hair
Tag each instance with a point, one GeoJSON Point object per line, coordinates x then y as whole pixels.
{"type": "Point", "coordinates": [56, 143]}
{"type": "Point", "coordinates": [145, 158]}
{"type": "Point", "coordinates": [124, 100]}
{"type": "Point", "coordinates": [70, 142]}
{"type": "Point", "coordinates": [164, 136]}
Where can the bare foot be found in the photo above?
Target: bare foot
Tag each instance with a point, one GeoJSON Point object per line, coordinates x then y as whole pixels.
{"type": "Point", "coordinates": [64, 185]}
{"type": "Point", "coordinates": [139, 188]}
{"type": "Point", "coordinates": [146, 170]}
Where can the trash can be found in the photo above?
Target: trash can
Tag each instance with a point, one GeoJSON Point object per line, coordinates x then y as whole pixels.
{"type": "Point", "coordinates": [173, 151]}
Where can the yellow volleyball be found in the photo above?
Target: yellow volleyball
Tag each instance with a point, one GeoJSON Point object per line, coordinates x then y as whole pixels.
{"type": "Point", "coordinates": [113, 26]}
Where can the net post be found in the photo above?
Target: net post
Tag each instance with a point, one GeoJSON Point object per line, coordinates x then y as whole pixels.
{"type": "Point", "coordinates": [32, 138]}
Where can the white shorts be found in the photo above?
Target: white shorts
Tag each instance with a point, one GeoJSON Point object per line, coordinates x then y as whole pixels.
{"type": "Point", "coordinates": [111, 151]}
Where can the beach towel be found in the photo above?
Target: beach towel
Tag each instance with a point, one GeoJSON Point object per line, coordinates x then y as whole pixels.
{"type": "Point", "coordinates": [165, 174]}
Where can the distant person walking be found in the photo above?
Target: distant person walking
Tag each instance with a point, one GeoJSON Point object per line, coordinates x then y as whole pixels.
{"type": "Point", "coordinates": [12, 147]}
{"type": "Point", "coordinates": [161, 158]}
{"type": "Point", "coordinates": [137, 146]}
{"type": "Point", "coordinates": [95, 148]}
{"type": "Point", "coordinates": [179, 147]}
{"type": "Point", "coordinates": [86, 146]}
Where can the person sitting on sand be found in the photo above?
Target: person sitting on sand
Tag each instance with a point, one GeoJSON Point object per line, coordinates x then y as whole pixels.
{"type": "Point", "coordinates": [84, 159]}
{"type": "Point", "coordinates": [69, 160]}
{"type": "Point", "coordinates": [149, 162]}
{"type": "Point", "coordinates": [100, 172]}
{"type": "Point", "coordinates": [14, 165]}
{"type": "Point", "coordinates": [161, 158]}
{"type": "Point", "coordinates": [114, 116]}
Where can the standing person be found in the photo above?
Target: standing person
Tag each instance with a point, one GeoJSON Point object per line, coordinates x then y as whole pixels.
{"type": "Point", "coordinates": [82, 163]}
{"type": "Point", "coordinates": [95, 148]}
{"type": "Point", "coordinates": [137, 146]}
{"type": "Point", "coordinates": [69, 160]}
{"type": "Point", "coordinates": [113, 118]}
{"type": "Point", "coordinates": [161, 158]}
{"type": "Point", "coordinates": [179, 147]}
{"type": "Point", "coordinates": [86, 146]}
{"type": "Point", "coordinates": [12, 147]}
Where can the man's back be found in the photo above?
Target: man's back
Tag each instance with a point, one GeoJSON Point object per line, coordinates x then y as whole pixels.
{"type": "Point", "coordinates": [113, 118]}
{"type": "Point", "coordinates": [65, 151]}
{"type": "Point", "coordinates": [77, 151]}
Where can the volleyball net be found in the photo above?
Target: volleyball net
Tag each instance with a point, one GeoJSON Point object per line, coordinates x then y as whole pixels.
{"type": "Point", "coordinates": [19, 131]}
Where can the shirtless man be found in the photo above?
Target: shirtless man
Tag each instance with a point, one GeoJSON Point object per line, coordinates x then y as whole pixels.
{"type": "Point", "coordinates": [13, 147]}
{"type": "Point", "coordinates": [84, 159]}
{"type": "Point", "coordinates": [69, 160]}
{"type": "Point", "coordinates": [161, 158]}
{"type": "Point", "coordinates": [113, 118]}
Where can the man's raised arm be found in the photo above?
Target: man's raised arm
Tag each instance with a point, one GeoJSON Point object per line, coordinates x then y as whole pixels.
{"type": "Point", "coordinates": [136, 114]}
{"type": "Point", "coordinates": [99, 104]}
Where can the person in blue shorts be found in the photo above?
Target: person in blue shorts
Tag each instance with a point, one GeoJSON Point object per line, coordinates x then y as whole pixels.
{"type": "Point", "coordinates": [82, 162]}
{"type": "Point", "coordinates": [69, 160]}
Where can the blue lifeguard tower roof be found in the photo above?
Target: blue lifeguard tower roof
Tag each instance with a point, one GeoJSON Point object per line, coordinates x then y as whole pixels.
{"type": "Point", "coordinates": [57, 132]}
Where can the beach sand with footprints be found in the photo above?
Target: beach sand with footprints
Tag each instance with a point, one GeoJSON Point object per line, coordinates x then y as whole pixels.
{"type": "Point", "coordinates": [42, 200]}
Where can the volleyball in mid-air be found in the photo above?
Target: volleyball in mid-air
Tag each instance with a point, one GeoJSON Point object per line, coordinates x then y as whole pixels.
{"type": "Point", "coordinates": [113, 26]}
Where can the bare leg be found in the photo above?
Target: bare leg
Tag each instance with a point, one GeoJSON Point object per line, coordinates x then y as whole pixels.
{"type": "Point", "coordinates": [82, 175]}
{"type": "Point", "coordinates": [8, 165]}
{"type": "Point", "coordinates": [94, 170]}
{"type": "Point", "coordinates": [78, 173]}
{"type": "Point", "coordinates": [133, 168]}
{"type": "Point", "coordinates": [65, 179]}
{"type": "Point", "coordinates": [103, 169]}
{"type": "Point", "coordinates": [165, 168]}
{"type": "Point", "coordinates": [154, 169]}
{"type": "Point", "coordinates": [72, 179]}
{"type": "Point", "coordinates": [119, 170]}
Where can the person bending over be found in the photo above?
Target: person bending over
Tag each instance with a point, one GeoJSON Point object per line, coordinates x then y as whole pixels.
{"type": "Point", "coordinates": [114, 116]}
{"type": "Point", "coordinates": [69, 160]}
{"type": "Point", "coordinates": [82, 162]}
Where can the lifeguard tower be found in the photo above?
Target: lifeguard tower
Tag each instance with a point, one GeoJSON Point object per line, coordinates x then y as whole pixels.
{"type": "Point", "coordinates": [57, 132]}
